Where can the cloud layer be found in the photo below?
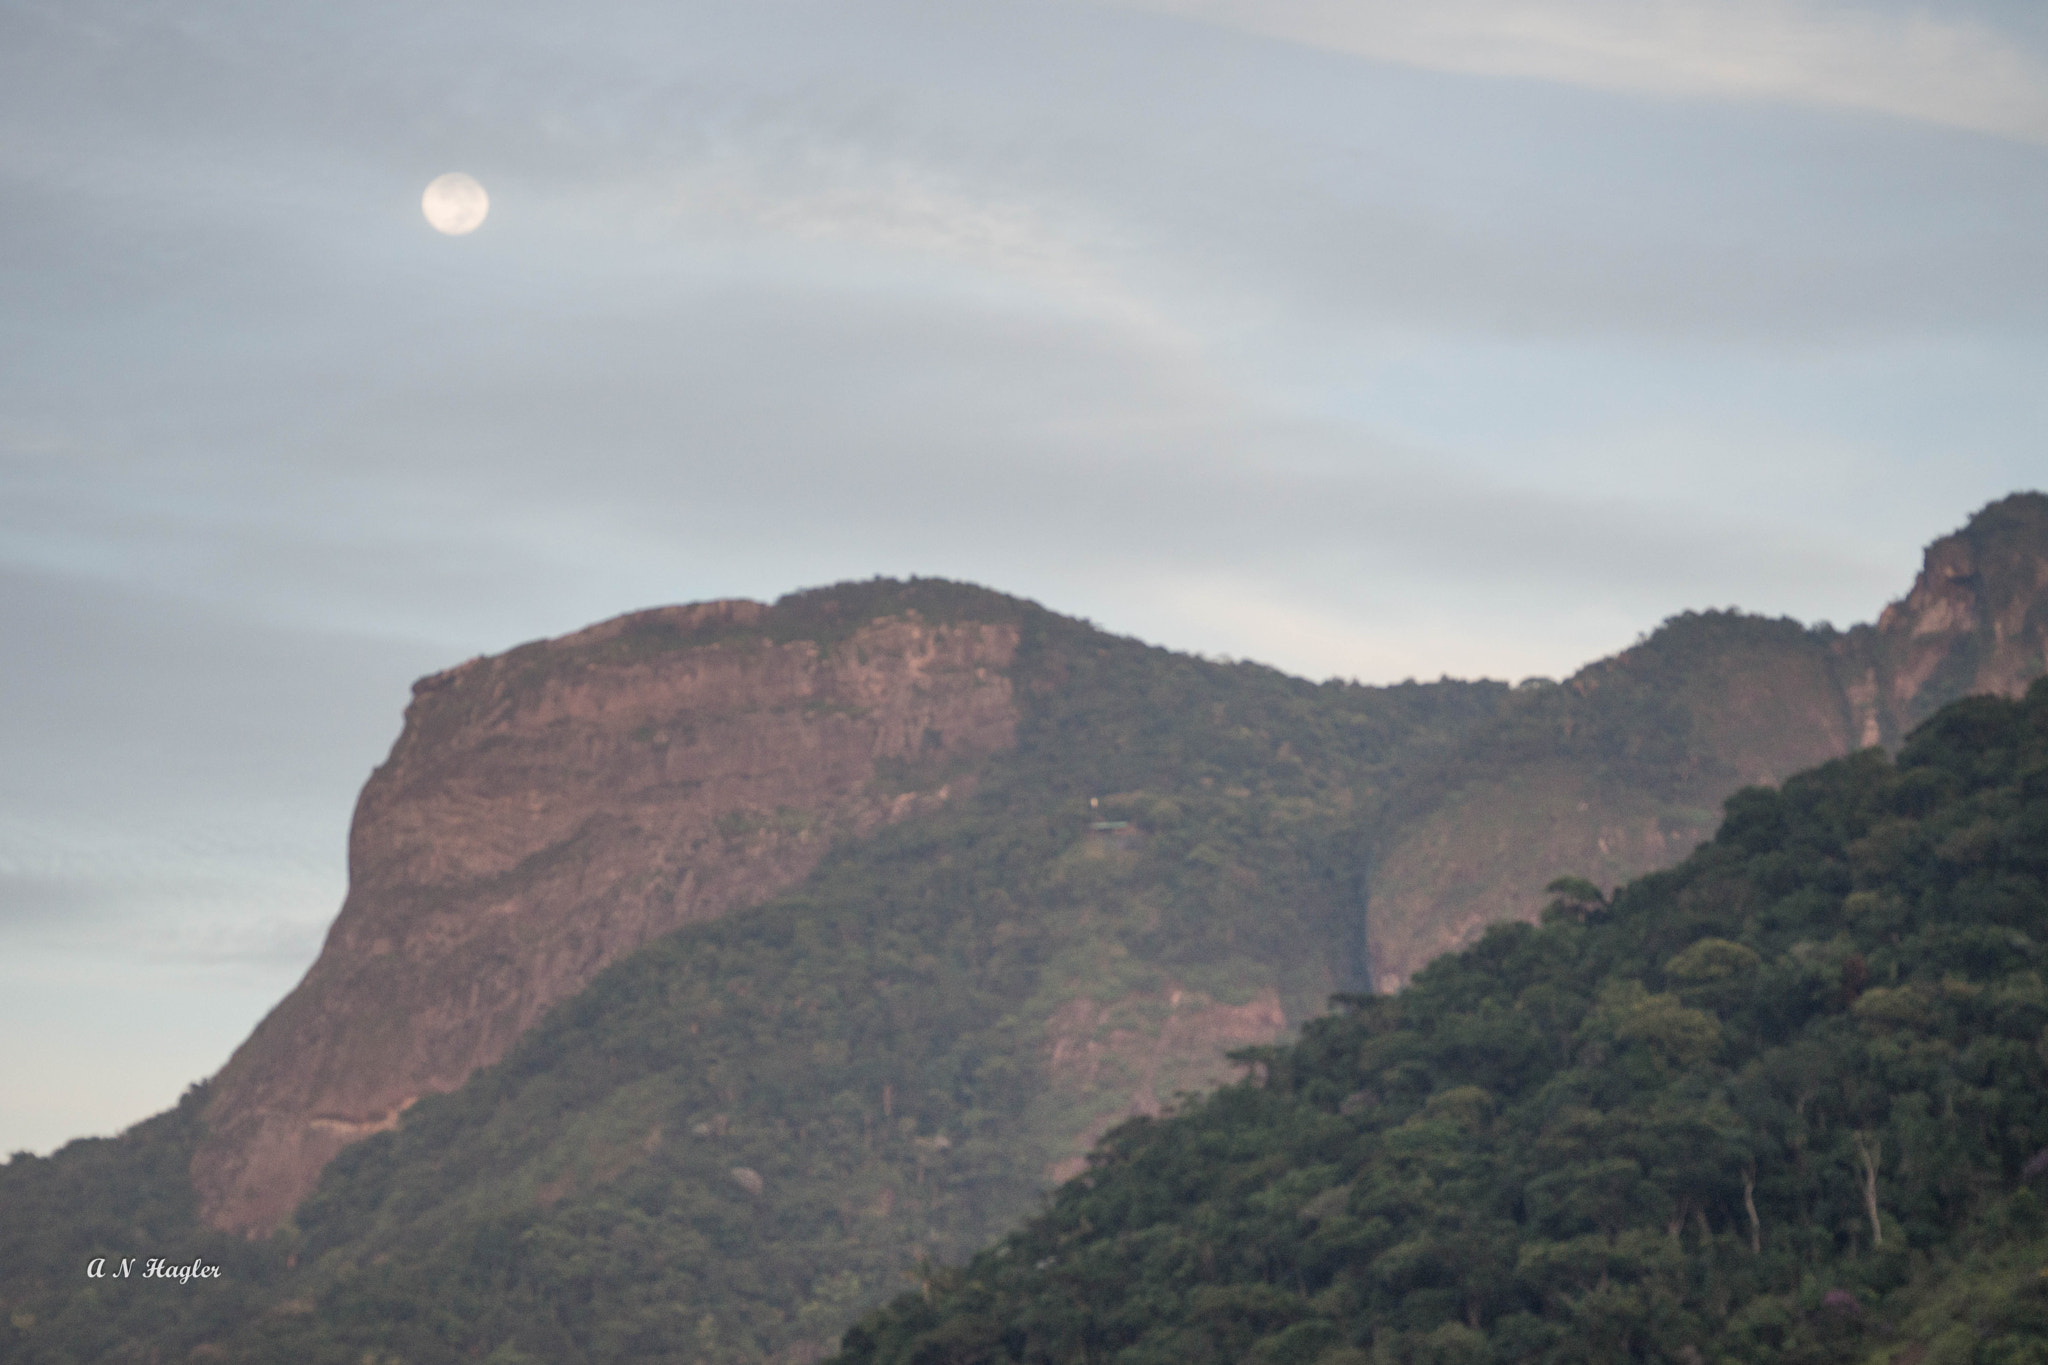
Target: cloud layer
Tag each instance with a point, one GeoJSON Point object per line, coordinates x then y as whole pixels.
{"type": "Point", "coordinates": [1944, 69]}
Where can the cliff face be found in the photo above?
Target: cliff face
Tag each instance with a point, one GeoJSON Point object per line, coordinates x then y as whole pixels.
{"type": "Point", "coordinates": [549, 810]}
{"type": "Point", "coordinates": [1107, 1062]}
{"type": "Point", "coordinates": [1124, 865]}
{"type": "Point", "coordinates": [1637, 752]}
{"type": "Point", "coordinates": [1976, 621]}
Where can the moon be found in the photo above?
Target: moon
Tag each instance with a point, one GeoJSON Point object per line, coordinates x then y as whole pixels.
{"type": "Point", "coordinates": [455, 204]}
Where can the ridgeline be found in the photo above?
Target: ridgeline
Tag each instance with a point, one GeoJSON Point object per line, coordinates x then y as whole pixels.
{"type": "Point", "coordinates": [711, 975]}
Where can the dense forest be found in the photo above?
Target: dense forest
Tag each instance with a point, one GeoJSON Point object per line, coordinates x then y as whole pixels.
{"type": "Point", "coordinates": [1787, 1102]}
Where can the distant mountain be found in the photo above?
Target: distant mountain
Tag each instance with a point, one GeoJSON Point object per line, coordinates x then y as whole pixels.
{"type": "Point", "coordinates": [734, 1138]}
{"type": "Point", "coordinates": [1622, 769]}
{"type": "Point", "coordinates": [1785, 1103]}
{"type": "Point", "coordinates": [1005, 881]}
{"type": "Point", "coordinates": [551, 810]}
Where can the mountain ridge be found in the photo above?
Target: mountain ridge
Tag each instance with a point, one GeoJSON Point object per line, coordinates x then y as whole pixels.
{"type": "Point", "coordinates": [1620, 769]}
{"type": "Point", "coordinates": [1115, 865]}
{"type": "Point", "coordinates": [491, 855]}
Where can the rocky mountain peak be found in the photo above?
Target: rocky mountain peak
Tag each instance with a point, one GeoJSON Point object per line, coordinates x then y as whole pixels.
{"type": "Point", "coordinates": [548, 810]}
{"type": "Point", "coordinates": [1976, 620]}
{"type": "Point", "coordinates": [1623, 770]}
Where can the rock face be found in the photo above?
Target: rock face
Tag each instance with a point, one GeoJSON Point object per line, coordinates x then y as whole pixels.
{"type": "Point", "coordinates": [1976, 621]}
{"type": "Point", "coordinates": [549, 810]}
{"type": "Point", "coordinates": [1733, 701]}
{"type": "Point", "coordinates": [1128, 1057]}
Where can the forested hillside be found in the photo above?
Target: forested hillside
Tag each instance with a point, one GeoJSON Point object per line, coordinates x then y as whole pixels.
{"type": "Point", "coordinates": [1621, 768]}
{"type": "Point", "coordinates": [737, 1138]}
{"type": "Point", "coordinates": [992, 882]}
{"type": "Point", "coordinates": [1787, 1102]}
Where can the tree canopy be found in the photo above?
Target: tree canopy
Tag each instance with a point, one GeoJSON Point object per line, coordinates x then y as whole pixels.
{"type": "Point", "coordinates": [1787, 1102]}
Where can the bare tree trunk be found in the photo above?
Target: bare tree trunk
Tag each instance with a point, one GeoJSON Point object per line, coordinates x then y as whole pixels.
{"type": "Point", "coordinates": [1756, 1228]}
{"type": "Point", "coordinates": [1870, 1150]}
{"type": "Point", "coordinates": [1677, 1223]}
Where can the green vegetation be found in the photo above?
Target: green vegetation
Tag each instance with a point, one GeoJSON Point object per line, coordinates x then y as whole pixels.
{"type": "Point", "coordinates": [1778, 1104]}
{"type": "Point", "coordinates": [115, 1197]}
{"type": "Point", "coordinates": [737, 1139]}
{"type": "Point", "coordinates": [1627, 724]}
{"type": "Point", "coordinates": [1786, 1102]}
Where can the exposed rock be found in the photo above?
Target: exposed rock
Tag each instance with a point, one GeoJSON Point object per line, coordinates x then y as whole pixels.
{"type": "Point", "coordinates": [1976, 621]}
{"type": "Point", "coordinates": [549, 810]}
{"type": "Point", "coordinates": [1752, 702]}
{"type": "Point", "coordinates": [1113, 1061]}
{"type": "Point", "coordinates": [1477, 859]}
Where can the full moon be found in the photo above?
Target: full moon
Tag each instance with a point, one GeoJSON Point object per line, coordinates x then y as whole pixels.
{"type": "Point", "coordinates": [455, 204]}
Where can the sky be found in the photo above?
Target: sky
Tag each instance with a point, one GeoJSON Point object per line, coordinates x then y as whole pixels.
{"type": "Point", "coordinates": [1366, 339]}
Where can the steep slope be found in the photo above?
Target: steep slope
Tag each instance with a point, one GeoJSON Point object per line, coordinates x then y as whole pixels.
{"type": "Point", "coordinates": [1785, 1103]}
{"type": "Point", "coordinates": [1975, 622]}
{"type": "Point", "coordinates": [1618, 771]}
{"type": "Point", "coordinates": [1007, 881]}
{"type": "Point", "coordinates": [550, 810]}
{"type": "Point", "coordinates": [735, 1138]}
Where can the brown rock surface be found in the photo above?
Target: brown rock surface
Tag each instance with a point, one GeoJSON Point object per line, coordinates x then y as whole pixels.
{"type": "Point", "coordinates": [1111, 1061]}
{"type": "Point", "coordinates": [1976, 621]}
{"type": "Point", "coordinates": [1480, 858]}
{"type": "Point", "coordinates": [1758, 703]}
{"type": "Point", "coordinates": [549, 810]}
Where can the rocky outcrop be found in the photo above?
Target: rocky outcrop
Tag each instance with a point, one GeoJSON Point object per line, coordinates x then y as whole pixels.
{"type": "Point", "coordinates": [1109, 1061]}
{"type": "Point", "coordinates": [1726, 701]}
{"type": "Point", "coordinates": [1975, 622]}
{"type": "Point", "coordinates": [1485, 854]}
{"type": "Point", "coordinates": [549, 810]}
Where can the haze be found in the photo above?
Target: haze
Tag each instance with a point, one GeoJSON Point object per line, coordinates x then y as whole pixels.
{"type": "Point", "coordinates": [1352, 339]}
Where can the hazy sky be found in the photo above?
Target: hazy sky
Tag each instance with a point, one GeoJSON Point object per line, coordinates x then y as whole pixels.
{"type": "Point", "coordinates": [1367, 337]}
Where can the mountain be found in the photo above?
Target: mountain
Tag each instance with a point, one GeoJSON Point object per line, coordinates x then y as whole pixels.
{"type": "Point", "coordinates": [765, 1118]}
{"type": "Point", "coordinates": [551, 810]}
{"type": "Point", "coordinates": [704, 971]}
{"type": "Point", "coordinates": [1620, 770]}
{"type": "Point", "coordinates": [1787, 1102]}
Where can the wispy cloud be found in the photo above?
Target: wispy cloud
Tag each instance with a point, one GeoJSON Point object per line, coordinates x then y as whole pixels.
{"type": "Point", "coordinates": [1940, 70]}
